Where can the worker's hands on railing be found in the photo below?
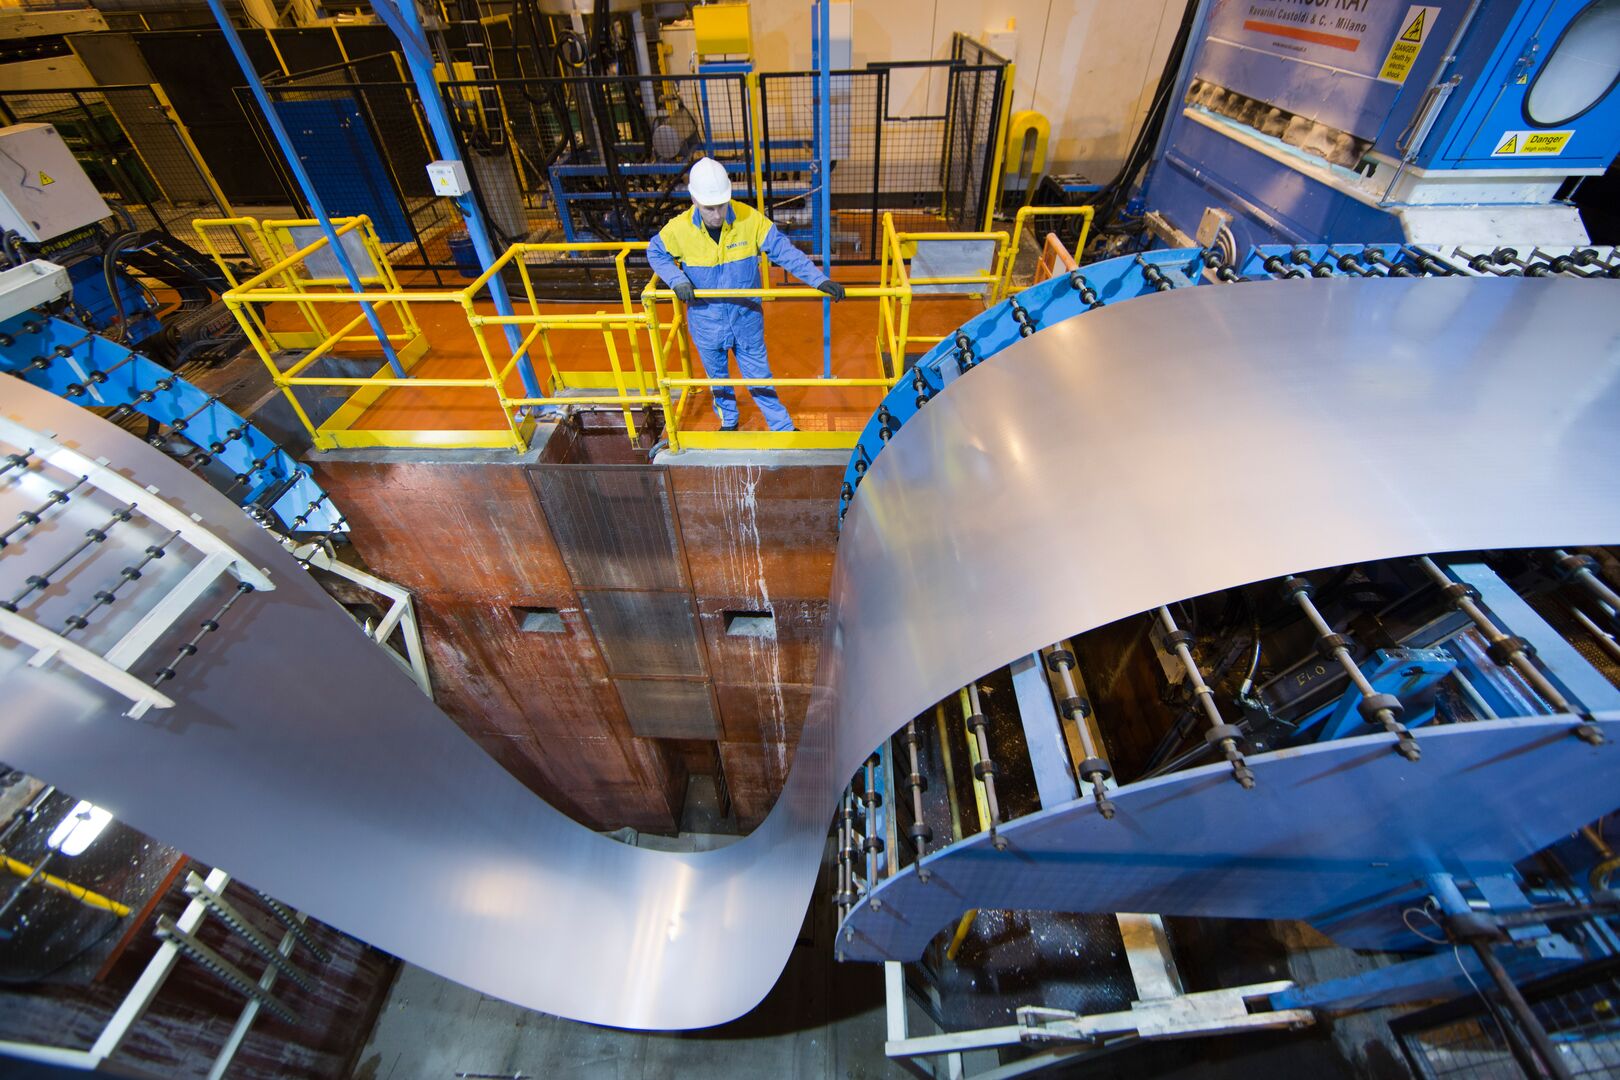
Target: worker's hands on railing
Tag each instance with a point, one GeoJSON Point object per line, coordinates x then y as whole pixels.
{"type": "Point", "coordinates": [832, 289]}
{"type": "Point", "coordinates": [684, 292]}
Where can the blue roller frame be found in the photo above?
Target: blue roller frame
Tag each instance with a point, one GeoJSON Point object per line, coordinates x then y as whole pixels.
{"type": "Point", "coordinates": [62, 357]}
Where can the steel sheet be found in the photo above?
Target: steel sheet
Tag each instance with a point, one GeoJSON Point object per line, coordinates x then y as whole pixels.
{"type": "Point", "coordinates": [1147, 452]}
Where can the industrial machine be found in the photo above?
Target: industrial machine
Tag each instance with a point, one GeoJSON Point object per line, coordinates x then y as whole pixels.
{"type": "Point", "coordinates": [1270, 576]}
{"type": "Point", "coordinates": [50, 209]}
{"type": "Point", "coordinates": [1460, 121]}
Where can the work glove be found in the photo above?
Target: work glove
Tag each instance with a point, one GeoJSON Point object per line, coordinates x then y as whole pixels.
{"type": "Point", "coordinates": [684, 291]}
{"type": "Point", "coordinates": [832, 289]}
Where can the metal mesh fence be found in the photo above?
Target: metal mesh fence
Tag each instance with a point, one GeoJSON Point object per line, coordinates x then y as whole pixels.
{"type": "Point", "coordinates": [358, 131]}
{"type": "Point", "coordinates": [596, 158]}
{"type": "Point", "coordinates": [131, 147]}
{"type": "Point", "coordinates": [1465, 1041]}
{"type": "Point", "coordinates": [917, 140]}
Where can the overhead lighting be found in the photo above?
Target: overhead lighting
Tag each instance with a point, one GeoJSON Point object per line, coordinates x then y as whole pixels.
{"type": "Point", "coordinates": [81, 826]}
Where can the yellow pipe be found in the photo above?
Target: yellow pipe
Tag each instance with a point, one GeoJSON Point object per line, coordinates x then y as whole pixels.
{"type": "Point", "coordinates": [1027, 212]}
{"type": "Point", "coordinates": [973, 758]}
{"type": "Point", "coordinates": [658, 344]}
{"type": "Point", "coordinates": [858, 292]}
{"type": "Point", "coordinates": [582, 399]}
{"type": "Point", "coordinates": [773, 381]}
{"type": "Point", "coordinates": [302, 253]}
{"type": "Point", "coordinates": [961, 934]}
{"type": "Point", "coordinates": [324, 347]}
{"type": "Point", "coordinates": [618, 379]}
{"type": "Point", "coordinates": [950, 771]}
{"type": "Point", "coordinates": [601, 318]}
{"type": "Point", "coordinates": [78, 892]}
{"type": "Point", "coordinates": [318, 380]}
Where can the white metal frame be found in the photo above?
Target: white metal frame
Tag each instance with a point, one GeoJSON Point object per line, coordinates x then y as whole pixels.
{"type": "Point", "coordinates": [401, 613]}
{"type": "Point", "coordinates": [112, 668]}
{"type": "Point", "coordinates": [1163, 1010]}
{"type": "Point", "coordinates": [145, 991]}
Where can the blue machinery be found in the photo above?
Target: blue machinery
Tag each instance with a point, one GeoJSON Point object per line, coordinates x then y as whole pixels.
{"type": "Point", "coordinates": [1409, 645]}
{"type": "Point", "coordinates": [1306, 121]}
{"type": "Point", "coordinates": [238, 456]}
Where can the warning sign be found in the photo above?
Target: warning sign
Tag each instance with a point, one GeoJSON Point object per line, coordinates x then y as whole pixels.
{"type": "Point", "coordinates": [43, 179]}
{"type": "Point", "coordinates": [1403, 52]}
{"type": "Point", "coordinates": [1531, 143]}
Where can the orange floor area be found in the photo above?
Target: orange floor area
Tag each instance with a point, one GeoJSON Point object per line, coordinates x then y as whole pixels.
{"type": "Point", "coordinates": [793, 334]}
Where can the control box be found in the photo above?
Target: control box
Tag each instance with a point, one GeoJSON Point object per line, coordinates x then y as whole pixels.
{"type": "Point", "coordinates": [449, 178]}
{"type": "Point", "coordinates": [43, 190]}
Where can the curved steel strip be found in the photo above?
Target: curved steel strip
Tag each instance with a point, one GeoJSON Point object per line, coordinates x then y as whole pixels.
{"type": "Point", "coordinates": [1090, 288]}
{"type": "Point", "coordinates": [1151, 452]}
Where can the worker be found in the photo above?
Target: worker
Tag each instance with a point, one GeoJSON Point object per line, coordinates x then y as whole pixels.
{"type": "Point", "coordinates": [717, 246]}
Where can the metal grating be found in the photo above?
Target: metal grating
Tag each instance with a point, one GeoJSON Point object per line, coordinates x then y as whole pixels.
{"type": "Point", "coordinates": [613, 525]}
{"type": "Point", "coordinates": [645, 633]}
{"type": "Point", "coordinates": [1463, 1041]}
{"type": "Point", "coordinates": [669, 708]}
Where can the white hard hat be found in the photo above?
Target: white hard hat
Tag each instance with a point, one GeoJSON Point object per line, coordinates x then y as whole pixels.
{"type": "Point", "coordinates": [708, 183]}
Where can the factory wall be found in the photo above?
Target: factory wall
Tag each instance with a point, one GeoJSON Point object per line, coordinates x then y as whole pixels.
{"type": "Point", "coordinates": [1089, 65]}
{"type": "Point", "coordinates": [474, 544]}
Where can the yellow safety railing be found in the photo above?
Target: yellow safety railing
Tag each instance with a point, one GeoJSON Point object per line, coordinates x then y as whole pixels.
{"type": "Point", "coordinates": [1027, 212]}
{"type": "Point", "coordinates": [298, 317]}
{"type": "Point", "coordinates": [899, 248]}
{"type": "Point", "coordinates": [560, 384]}
{"type": "Point", "coordinates": [678, 378]}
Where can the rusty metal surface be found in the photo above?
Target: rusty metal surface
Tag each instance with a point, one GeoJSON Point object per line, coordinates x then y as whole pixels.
{"type": "Point", "coordinates": [612, 524]}
{"type": "Point", "coordinates": [1218, 435]}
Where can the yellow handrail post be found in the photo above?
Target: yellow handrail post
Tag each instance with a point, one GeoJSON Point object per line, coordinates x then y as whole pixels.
{"type": "Point", "coordinates": [618, 377]}
{"type": "Point", "coordinates": [495, 381]}
{"type": "Point", "coordinates": [619, 263]}
{"type": "Point", "coordinates": [1027, 212]}
{"type": "Point", "coordinates": [671, 423]}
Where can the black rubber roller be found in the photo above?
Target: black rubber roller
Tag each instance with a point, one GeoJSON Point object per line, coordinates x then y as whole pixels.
{"type": "Point", "coordinates": [983, 769]}
{"type": "Point", "coordinates": [1329, 644]}
{"type": "Point", "coordinates": [1574, 564]}
{"type": "Point", "coordinates": [1292, 585]}
{"type": "Point", "coordinates": [1371, 705]}
{"type": "Point", "coordinates": [1505, 649]}
{"type": "Point", "coordinates": [1075, 708]}
{"type": "Point", "coordinates": [1179, 637]}
{"type": "Point", "coordinates": [976, 721]}
{"type": "Point", "coordinates": [918, 781]}
{"type": "Point", "coordinates": [873, 844]}
{"type": "Point", "coordinates": [920, 832]}
{"type": "Point", "coordinates": [1457, 590]}
{"type": "Point", "coordinates": [1060, 659]}
{"type": "Point", "coordinates": [1093, 766]}
{"type": "Point", "coordinates": [1222, 731]}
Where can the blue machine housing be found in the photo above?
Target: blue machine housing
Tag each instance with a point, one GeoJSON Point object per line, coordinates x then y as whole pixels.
{"type": "Point", "coordinates": [1451, 118]}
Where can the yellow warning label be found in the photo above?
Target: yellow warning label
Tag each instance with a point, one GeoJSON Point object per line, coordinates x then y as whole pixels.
{"type": "Point", "coordinates": [1403, 51]}
{"type": "Point", "coordinates": [43, 179]}
{"type": "Point", "coordinates": [1531, 143]}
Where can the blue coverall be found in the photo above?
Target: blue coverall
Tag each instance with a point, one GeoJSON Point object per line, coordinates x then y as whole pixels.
{"type": "Point", "coordinates": [683, 250]}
